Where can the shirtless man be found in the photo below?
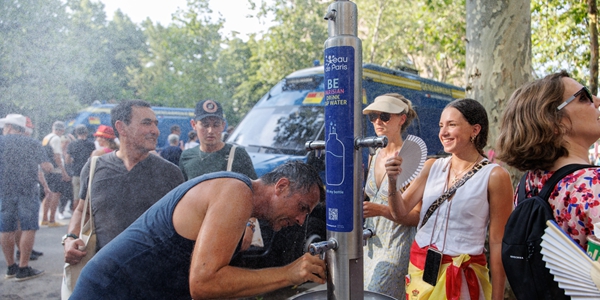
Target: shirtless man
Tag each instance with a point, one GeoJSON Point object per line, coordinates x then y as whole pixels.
{"type": "Point", "coordinates": [181, 247]}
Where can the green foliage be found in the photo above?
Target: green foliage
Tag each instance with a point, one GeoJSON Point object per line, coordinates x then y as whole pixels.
{"type": "Point", "coordinates": [293, 44]}
{"type": "Point", "coordinates": [87, 40]}
{"type": "Point", "coordinates": [126, 44]}
{"type": "Point", "coordinates": [427, 35]}
{"type": "Point", "coordinates": [232, 68]}
{"type": "Point", "coordinates": [58, 57]}
{"type": "Point", "coordinates": [65, 54]}
{"type": "Point", "coordinates": [560, 37]}
{"type": "Point", "coordinates": [179, 68]}
{"type": "Point", "coordinates": [34, 72]}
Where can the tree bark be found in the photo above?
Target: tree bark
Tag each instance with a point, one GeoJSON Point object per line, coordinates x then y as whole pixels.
{"type": "Point", "coordinates": [498, 59]}
{"type": "Point", "coordinates": [593, 27]}
{"type": "Point", "coordinates": [498, 54]}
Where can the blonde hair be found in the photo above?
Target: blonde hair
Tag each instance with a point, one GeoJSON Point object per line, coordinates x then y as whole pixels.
{"type": "Point", "coordinates": [531, 132]}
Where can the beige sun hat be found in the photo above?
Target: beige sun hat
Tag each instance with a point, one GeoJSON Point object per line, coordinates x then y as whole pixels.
{"type": "Point", "coordinates": [386, 104]}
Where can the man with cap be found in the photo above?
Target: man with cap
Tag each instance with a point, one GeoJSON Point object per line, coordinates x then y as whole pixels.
{"type": "Point", "coordinates": [20, 157]}
{"type": "Point", "coordinates": [213, 155]}
{"type": "Point", "coordinates": [78, 153]}
{"type": "Point", "coordinates": [58, 180]}
{"type": "Point", "coordinates": [126, 182]}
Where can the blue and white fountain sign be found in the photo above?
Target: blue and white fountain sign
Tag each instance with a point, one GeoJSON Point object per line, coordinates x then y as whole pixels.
{"type": "Point", "coordinates": [339, 137]}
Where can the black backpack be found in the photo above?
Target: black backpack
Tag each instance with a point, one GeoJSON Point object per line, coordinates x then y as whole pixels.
{"type": "Point", "coordinates": [525, 270]}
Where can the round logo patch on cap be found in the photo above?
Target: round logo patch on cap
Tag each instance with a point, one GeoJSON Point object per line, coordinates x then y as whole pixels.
{"type": "Point", "coordinates": [210, 106]}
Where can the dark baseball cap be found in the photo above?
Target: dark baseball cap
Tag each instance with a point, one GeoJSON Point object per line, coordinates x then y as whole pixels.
{"type": "Point", "coordinates": [208, 108]}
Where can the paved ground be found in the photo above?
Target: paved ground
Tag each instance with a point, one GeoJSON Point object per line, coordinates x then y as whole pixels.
{"type": "Point", "coordinates": [48, 285]}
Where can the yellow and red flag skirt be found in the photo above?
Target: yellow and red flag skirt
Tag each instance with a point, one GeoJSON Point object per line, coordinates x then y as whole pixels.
{"type": "Point", "coordinates": [449, 284]}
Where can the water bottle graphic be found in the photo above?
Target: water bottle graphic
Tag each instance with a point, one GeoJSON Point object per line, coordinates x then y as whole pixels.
{"type": "Point", "coordinates": [335, 159]}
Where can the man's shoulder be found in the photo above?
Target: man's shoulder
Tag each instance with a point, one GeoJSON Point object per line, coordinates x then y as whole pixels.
{"type": "Point", "coordinates": [190, 154]}
{"type": "Point", "coordinates": [80, 144]}
{"type": "Point", "coordinates": [172, 149]}
{"type": "Point", "coordinates": [49, 136]}
{"type": "Point", "coordinates": [190, 151]}
{"type": "Point", "coordinates": [157, 160]}
{"type": "Point", "coordinates": [239, 149]}
{"type": "Point", "coordinates": [20, 140]}
{"type": "Point", "coordinates": [165, 169]}
{"type": "Point", "coordinates": [51, 139]}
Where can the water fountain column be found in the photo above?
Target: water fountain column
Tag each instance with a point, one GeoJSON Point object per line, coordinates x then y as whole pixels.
{"type": "Point", "coordinates": [344, 173]}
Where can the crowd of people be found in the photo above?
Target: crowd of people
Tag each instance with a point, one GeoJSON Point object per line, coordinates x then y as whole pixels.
{"type": "Point", "coordinates": [169, 222]}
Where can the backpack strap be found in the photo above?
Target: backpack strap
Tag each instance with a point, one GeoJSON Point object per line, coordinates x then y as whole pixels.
{"type": "Point", "coordinates": [230, 158]}
{"type": "Point", "coordinates": [552, 181]}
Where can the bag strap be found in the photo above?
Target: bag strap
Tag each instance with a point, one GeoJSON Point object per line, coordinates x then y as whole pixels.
{"type": "Point", "coordinates": [230, 158]}
{"type": "Point", "coordinates": [552, 181]}
{"type": "Point", "coordinates": [87, 205]}
{"type": "Point", "coordinates": [450, 192]}
{"type": "Point", "coordinates": [49, 140]}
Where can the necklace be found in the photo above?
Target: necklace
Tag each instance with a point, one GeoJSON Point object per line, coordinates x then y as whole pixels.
{"type": "Point", "coordinates": [456, 176]}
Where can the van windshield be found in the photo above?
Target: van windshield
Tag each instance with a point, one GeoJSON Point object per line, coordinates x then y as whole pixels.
{"type": "Point", "coordinates": [281, 123]}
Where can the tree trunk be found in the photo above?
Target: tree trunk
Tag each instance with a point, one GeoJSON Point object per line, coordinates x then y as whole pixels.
{"type": "Point", "coordinates": [593, 27]}
{"type": "Point", "coordinates": [498, 54]}
{"type": "Point", "coordinates": [498, 58]}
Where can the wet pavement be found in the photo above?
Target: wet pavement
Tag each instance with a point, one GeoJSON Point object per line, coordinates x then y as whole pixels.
{"type": "Point", "coordinates": [48, 285]}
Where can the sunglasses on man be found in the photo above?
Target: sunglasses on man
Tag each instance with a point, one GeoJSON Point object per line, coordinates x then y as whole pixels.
{"type": "Point", "coordinates": [384, 117]}
{"type": "Point", "coordinates": [586, 93]}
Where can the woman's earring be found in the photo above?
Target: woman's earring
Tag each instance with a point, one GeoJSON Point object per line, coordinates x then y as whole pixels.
{"type": "Point", "coordinates": [473, 139]}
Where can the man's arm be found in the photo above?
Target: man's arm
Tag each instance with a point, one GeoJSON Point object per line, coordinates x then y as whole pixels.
{"type": "Point", "coordinates": [47, 167]}
{"type": "Point", "coordinates": [218, 235]}
{"type": "Point", "coordinates": [72, 253]}
{"type": "Point", "coordinates": [42, 180]}
{"type": "Point", "coordinates": [68, 156]}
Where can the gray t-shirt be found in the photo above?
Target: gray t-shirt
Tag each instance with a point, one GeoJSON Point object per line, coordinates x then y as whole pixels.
{"type": "Point", "coordinates": [119, 196]}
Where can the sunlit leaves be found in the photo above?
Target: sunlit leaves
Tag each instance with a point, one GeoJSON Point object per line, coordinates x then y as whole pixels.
{"type": "Point", "coordinates": [560, 38]}
{"type": "Point", "coordinates": [180, 66]}
{"type": "Point", "coordinates": [427, 35]}
{"type": "Point", "coordinates": [34, 70]}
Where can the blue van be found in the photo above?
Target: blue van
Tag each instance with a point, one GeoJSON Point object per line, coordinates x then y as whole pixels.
{"type": "Point", "coordinates": [95, 115]}
{"type": "Point", "coordinates": [293, 112]}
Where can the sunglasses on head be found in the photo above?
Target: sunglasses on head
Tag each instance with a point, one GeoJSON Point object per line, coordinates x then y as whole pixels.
{"type": "Point", "coordinates": [384, 117]}
{"type": "Point", "coordinates": [584, 91]}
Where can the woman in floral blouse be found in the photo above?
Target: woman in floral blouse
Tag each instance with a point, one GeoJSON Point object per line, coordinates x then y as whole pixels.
{"type": "Point", "coordinates": [547, 124]}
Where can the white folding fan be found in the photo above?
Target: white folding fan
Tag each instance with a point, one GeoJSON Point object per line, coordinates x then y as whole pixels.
{"type": "Point", "coordinates": [570, 265]}
{"type": "Point", "coordinates": [413, 153]}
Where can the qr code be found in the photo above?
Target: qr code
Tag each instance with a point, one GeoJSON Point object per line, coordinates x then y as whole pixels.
{"type": "Point", "coordinates": [333, 214]}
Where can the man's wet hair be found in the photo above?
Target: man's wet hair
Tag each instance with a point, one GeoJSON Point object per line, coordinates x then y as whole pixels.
{"type": "Point", "coordinates": [302, 177]}
{"type": "Point", "coordinates": [123, 112]}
